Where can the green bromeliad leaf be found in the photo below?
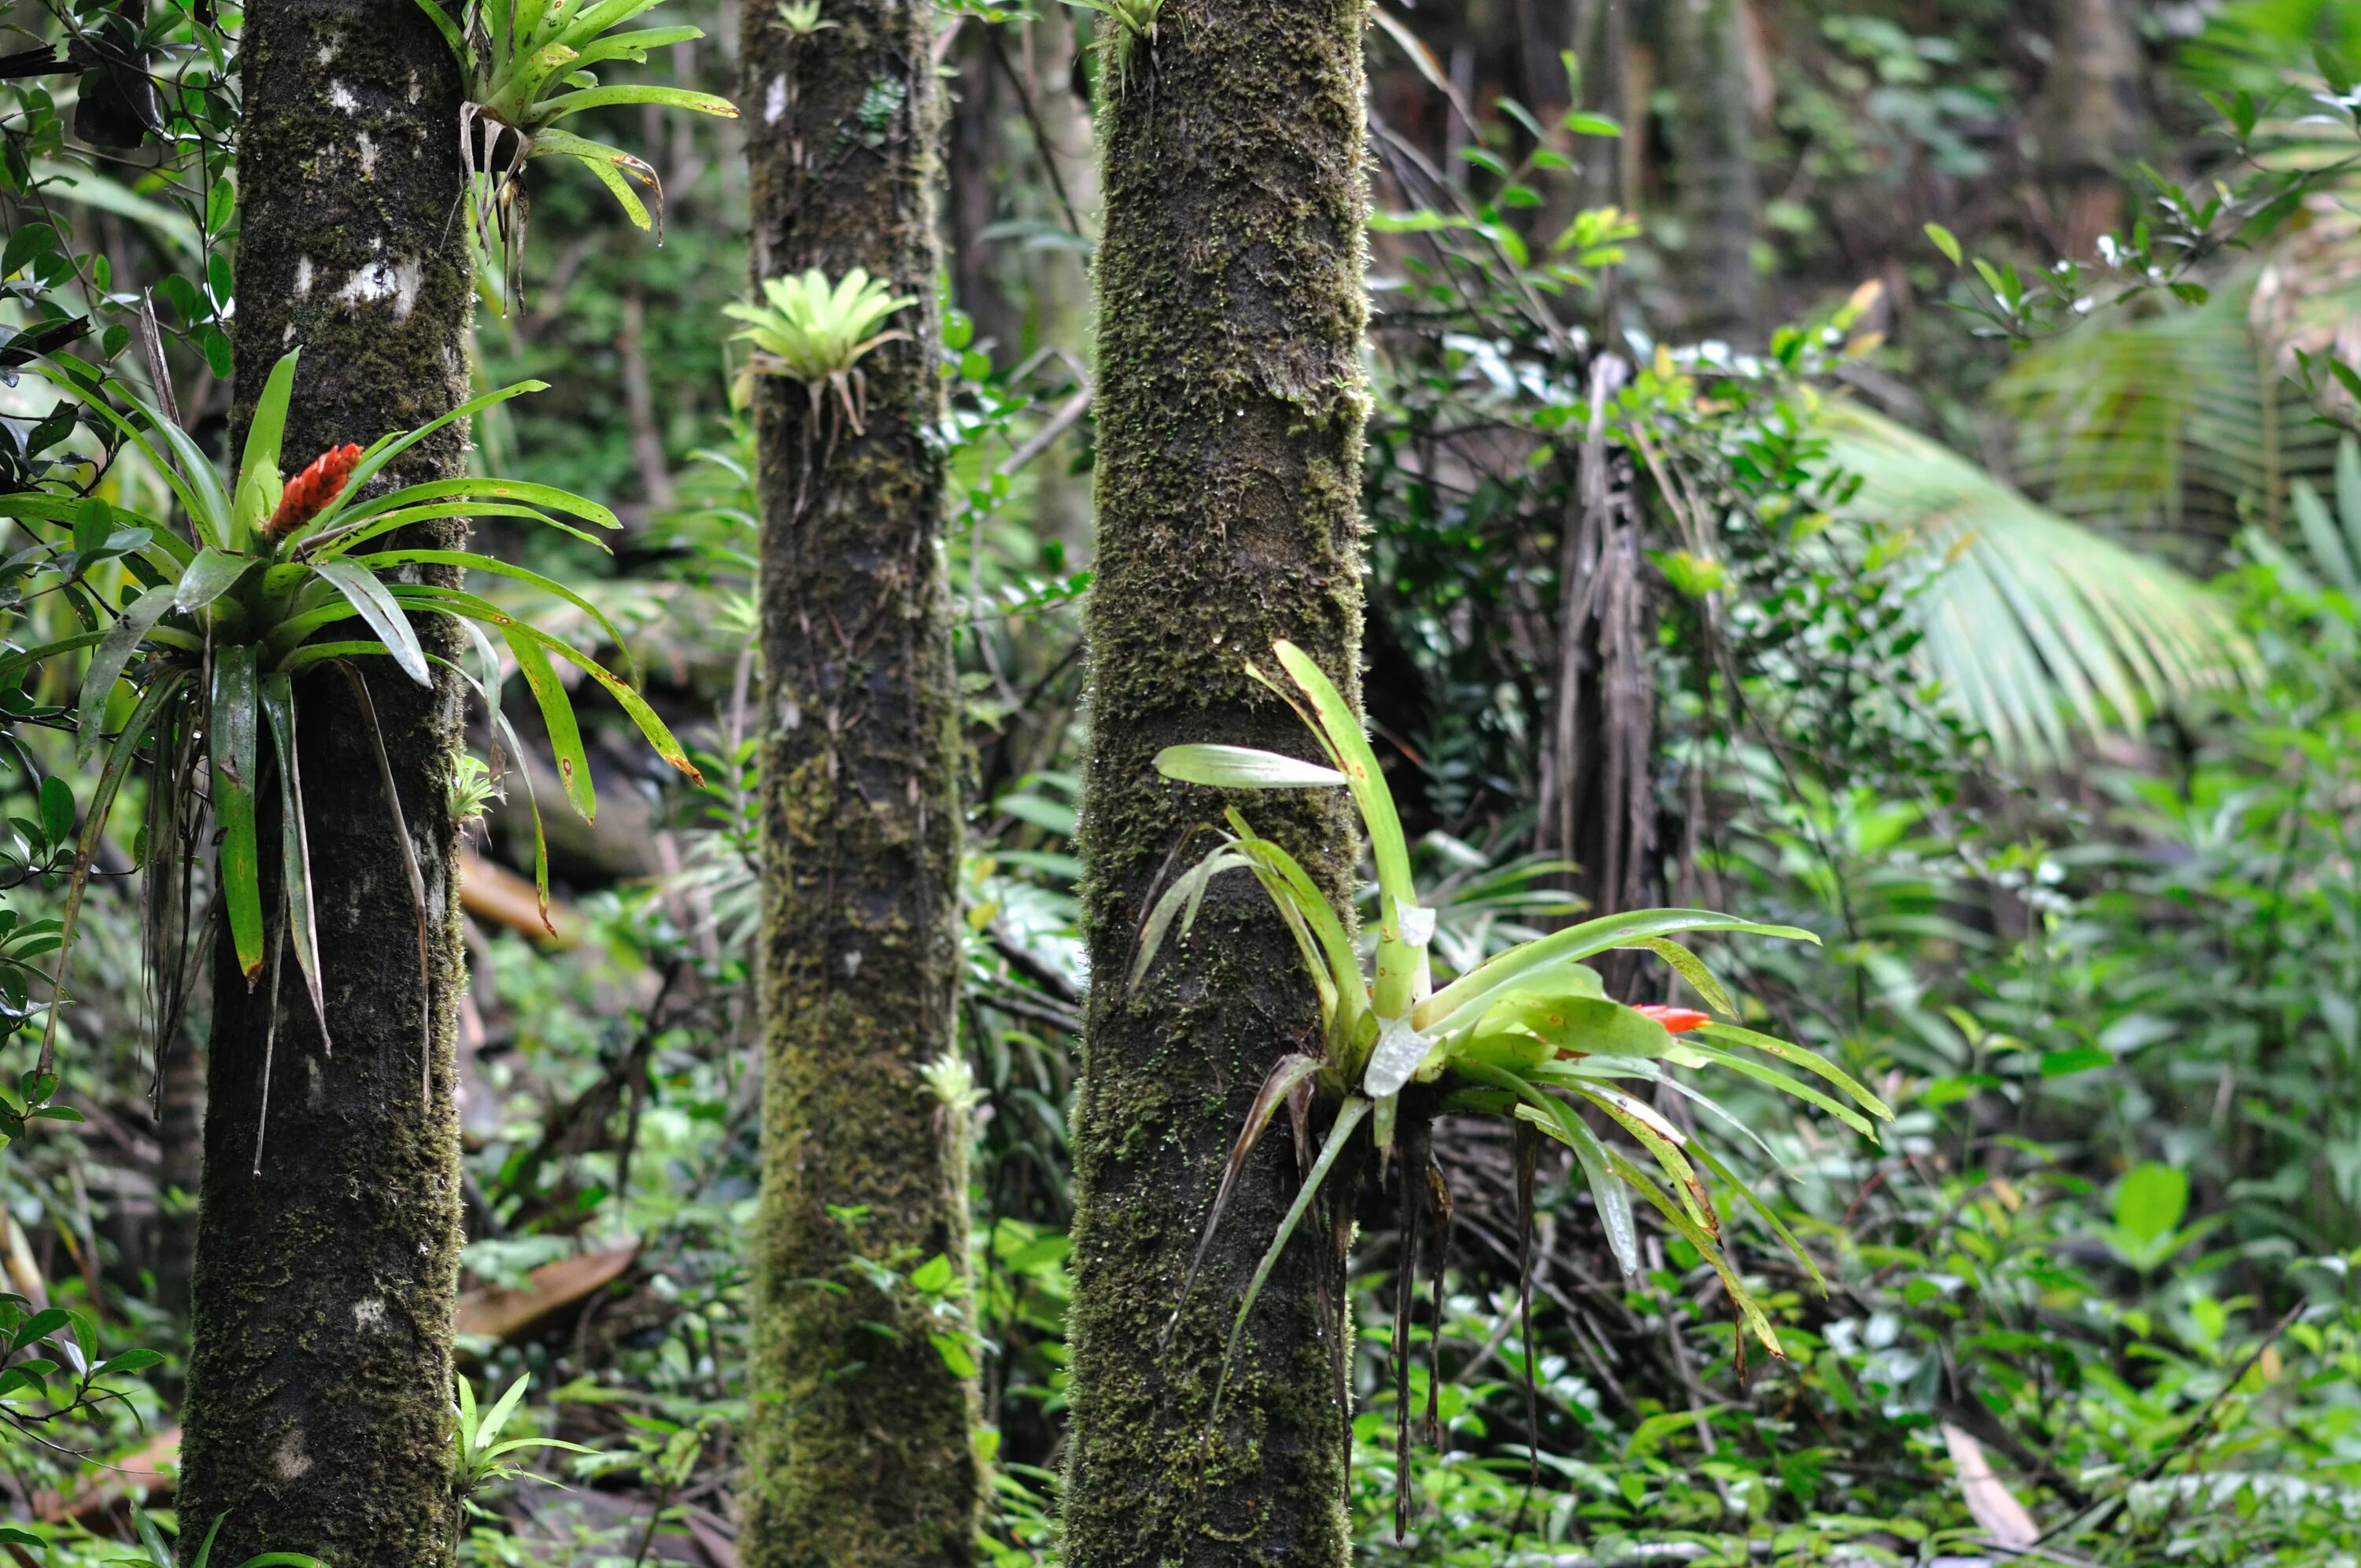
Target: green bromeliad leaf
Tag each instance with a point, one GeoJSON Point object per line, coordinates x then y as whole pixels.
{"type": "Point", "coordinates": [233, 718]}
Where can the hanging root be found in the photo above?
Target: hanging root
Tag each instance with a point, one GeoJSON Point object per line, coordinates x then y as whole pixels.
{"type": "Point", "coordinates": [1438, 1192]}
{"type": "Point", "coordinates": [1412, 1144]}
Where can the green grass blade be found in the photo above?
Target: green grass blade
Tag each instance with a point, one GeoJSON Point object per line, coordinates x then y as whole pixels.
{"type": "Point", "coordinates": [1781, 1081]}
{"type": "Point", "coordinates": [210, 576]}
{"type": "Point", "coordinates": [1658, 1198]}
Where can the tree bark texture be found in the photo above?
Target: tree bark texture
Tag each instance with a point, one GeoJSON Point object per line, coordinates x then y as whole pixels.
{"type": "Point", "coordinates": [1713, 155]}
{"type": "Point", "coordinates": [2098, 122]}
{"type": "Point", "coordinates": [1231, 404]}
{"type": "Point", "coordinates": [863, 1454]}
{"type": "Point", "coordinates": [319, 1410]}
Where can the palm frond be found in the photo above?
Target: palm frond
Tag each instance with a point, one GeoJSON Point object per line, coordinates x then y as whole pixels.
{"type": "Point", "coordinates": [2185, 421]}
{"type": "Point", "coordinates": [2041, 629]}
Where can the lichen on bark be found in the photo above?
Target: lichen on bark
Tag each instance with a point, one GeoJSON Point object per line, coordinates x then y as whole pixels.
{"type": "Point", "coordinates": [862, 1439]}
{"type": "Point", "coordinates": [318, 1418]}
{"type": "Point", "coordinates": [1231, 314]}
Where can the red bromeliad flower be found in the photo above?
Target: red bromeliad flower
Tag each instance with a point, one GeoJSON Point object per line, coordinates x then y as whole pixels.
{"type": "Point", "coordinates": [1677, 1020]}
{"type": "Point", "coordinates": [308, 492]}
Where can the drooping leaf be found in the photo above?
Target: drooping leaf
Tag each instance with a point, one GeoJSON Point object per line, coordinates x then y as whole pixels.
{"type": "Point", "coordinates": [232, 719]}
{"type": "Point", "coordinates": [376, 606]}
{"type": "Point", "coordinates": [1348, 1117]}
{"type": "Point", "coordinates": [114, 649]}
{"type": "Point", "coordinates": [558, 718]}
{"type": "Point", "coordinates": [278, 692]}
{"type": "Point", "coordinates": [1285, 1074]}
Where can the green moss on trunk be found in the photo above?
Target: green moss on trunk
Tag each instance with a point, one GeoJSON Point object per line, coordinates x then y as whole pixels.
{"type": "Point", "coordinates": [864, 1456]}
{"type": "Point", "coordinates": [318, 1416]}
{"type": "Point", "coordinates": [1231, 314]}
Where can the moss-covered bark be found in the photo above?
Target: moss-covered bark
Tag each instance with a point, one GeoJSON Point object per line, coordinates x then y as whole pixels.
{"type": "Point", "coordinates": [864, 1456]}
{"type": "Point", "coordinates": [1713, 153]}
{"type": "Point", "coordinates": [1230, 404]}
{"type": "Point", "coordinates": [318, 1417]}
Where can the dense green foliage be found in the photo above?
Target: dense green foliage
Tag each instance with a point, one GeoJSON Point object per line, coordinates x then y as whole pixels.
{"type": "Point", "coordinates": [2027, 682]}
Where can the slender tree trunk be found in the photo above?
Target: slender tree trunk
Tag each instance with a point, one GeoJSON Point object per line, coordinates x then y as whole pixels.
{"type": "Point", "coordinates": [318, 1417]}
{"type": "Point", "coordinates": [1231, 314]}
{"type": "Point", "coordinates": [2097, 119]}
{"type": "Point", "coordinates": [1713, 156]}
{"type": "Point", "coordinates": [863, 1449]}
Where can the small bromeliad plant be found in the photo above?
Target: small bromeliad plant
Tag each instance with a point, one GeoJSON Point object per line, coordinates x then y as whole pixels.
{"type": "Point", "coordinates": [1529, 1034]}
{"type": "Point", "coordinates": [811, 331]}
{"type": "Point", "coordinates": [213, 630]}
{"type": "Point", "coordinates": [479, 1455]}
{"type": "Point", "coordinates": [525, 65]}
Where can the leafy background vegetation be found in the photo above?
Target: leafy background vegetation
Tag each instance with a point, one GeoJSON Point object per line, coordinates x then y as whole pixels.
{"type": "Point", "coordinates": [2024, 674]}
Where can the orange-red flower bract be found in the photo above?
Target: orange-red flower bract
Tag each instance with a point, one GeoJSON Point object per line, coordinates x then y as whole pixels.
{"type": "Point", "coordinates": [1677, 1020]}
{"type": "Point", "coordinates": [308, 492]}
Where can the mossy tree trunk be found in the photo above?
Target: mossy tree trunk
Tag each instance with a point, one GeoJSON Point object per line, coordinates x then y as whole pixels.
{"type": "Point", "coordinates": [1713, 159]}
{"type": "Point", "coordinates": [863, 1447]}
{"type": "Point", "coordinates": [1230, 404]}
{"type": "Point", "coordinates": [2099, 121]}
{"type": "Point", "coordinates": [318, 1417]}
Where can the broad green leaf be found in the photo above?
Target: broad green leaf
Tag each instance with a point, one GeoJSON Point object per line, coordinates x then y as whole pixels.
{"type": "Point", "coordinates": [257, 474]}
{"type": "Point", "coordinates": [233, 717]}
{"type": "Point", "coordinates": [2150, 1201]}
{"type": "Point", "coordinates": [1242, 767]}
{"type": "Point", "coordinates": [209, 576]}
